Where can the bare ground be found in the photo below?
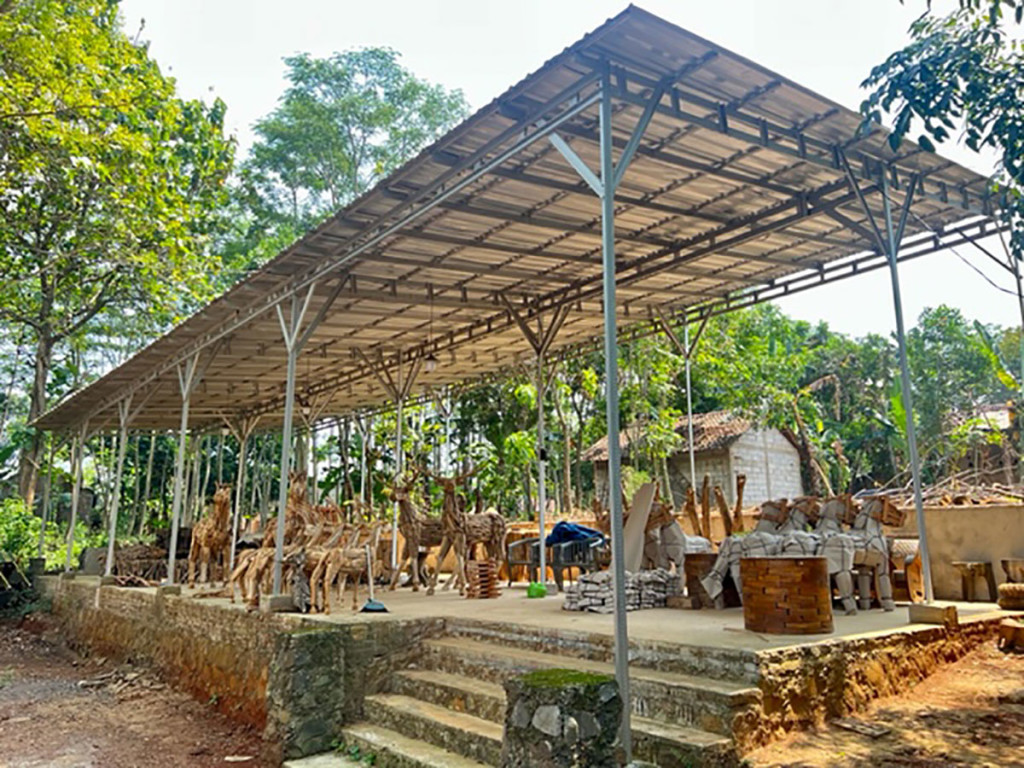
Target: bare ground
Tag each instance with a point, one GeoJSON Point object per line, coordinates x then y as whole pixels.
{"type": "Point", "coordinates": [970, 713]}
{"type": "Point", "coordinates": [60, 710]}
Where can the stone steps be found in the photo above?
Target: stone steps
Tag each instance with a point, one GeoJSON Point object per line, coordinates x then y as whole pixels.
{"type": "Point", "coordinates": [729, 664]}
{"type": "Point", "coordinates": [395, 750]}
{"type": "Point", "coordinates": [673, 745]}
{"type": "Point", "coordinates": [709, 705]}
{"type": "Point", "coordinates": [457, 732]}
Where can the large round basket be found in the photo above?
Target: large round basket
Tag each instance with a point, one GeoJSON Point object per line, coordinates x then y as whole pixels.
{"type": "Point", "coordinates": [786, 595]}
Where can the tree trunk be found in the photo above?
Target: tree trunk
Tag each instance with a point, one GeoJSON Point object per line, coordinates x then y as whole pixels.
{"type": "Point", "coordinates": [28, 465]}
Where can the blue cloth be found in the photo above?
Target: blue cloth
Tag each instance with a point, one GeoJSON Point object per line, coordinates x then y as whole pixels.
{"type": "Point", "coordinates": [565, 531]}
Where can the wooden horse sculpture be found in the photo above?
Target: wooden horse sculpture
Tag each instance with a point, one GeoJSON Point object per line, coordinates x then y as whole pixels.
{"type": "Point", "coordinates": [764, 541]}
{"type": "Point", "coordinates": [872, 556]}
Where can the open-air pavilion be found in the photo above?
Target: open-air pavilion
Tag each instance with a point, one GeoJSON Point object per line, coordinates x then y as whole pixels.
{"type": "Point", "coordinates": [641, 179]}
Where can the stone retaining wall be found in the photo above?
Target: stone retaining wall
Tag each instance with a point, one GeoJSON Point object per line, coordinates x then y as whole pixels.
{"type": "Point", "coordinates": [804, 686]}
{"type": "Point", "coordinates": [299, 679]}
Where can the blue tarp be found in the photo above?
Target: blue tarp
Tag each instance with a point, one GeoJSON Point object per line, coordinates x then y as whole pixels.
{"type": "Point", "coordinates": [565, 531]}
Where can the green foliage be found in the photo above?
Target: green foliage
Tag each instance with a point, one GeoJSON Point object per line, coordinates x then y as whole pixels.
{"type": "Point", "coordinates": [19, 531]}
{"type": "Point", "coordinates": [110, 186]}
{"type": "Point", "coordinates": [344, 122]}
{"type": "Point", "coordinates": [961, 76]}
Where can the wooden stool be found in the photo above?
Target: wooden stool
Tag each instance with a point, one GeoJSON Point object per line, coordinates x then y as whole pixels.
{"type": "Point", "coordinates": [970, 570]}
{"type": "Point", "coordinates": [1014, 569]}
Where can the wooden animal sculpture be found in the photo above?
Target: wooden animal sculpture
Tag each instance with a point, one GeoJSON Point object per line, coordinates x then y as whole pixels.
{"type": "Point", "coordinates": [487, 528]}
{"type": "Point", "coordinates": [764, 541]}
{"type": "Point", "coordinates": [348, 562]}
{"type": "Point", "coordinates": [453, 529]}
{"type": "Point", "coordinates": [838, 547]}
{"type": "Point", "coordinates": [666, 543]}
{"type": "Point", "coordinates": [800, 541]}
{"type": "Point", "coordinates": [211, 539]}
{"type": "Point", "coordinates": [418, 531]}
{"type": "Point", "coordinates": [872, 555]}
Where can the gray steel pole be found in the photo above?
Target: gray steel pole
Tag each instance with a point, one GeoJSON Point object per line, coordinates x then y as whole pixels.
{"type": "Point", "coordinates": [77, 449]}
{"type": "Point", "coordinates": [243, 445]}
{"type": "Point", "coordinates": [908, 400]}
{"type": "Point", "coordinates": [286, 458]}
{"type": "Point", "coordinates": [400, 466]}
{"type": "Point", "coordinates": [542, 495]}
{"type": "Point", "coordinates": [115, 502]}
{"type": "Point", "coordinates": [611, 356]}
{"type": "Point", "coordinates": [179, 479]}
{"type": "Point", "coordinates": [689, 412]}
{"type": "Point", "coordinates": [1020, 305]}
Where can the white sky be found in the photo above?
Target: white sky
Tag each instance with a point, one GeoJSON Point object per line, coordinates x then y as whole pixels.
{"type": "Point", "coordinates": [233, 49]}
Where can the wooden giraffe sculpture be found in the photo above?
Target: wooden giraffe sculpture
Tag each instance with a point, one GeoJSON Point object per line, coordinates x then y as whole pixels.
{"type": "Point", "coordinates": [211, 538]}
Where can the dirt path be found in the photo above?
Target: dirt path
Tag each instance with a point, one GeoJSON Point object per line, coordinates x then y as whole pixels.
{"type": "Point", "coordinates": [119, 718]}
{"type": "Point", "coordinates": [970, 713]}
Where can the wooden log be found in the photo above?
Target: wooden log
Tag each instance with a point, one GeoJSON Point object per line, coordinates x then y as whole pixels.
{"type": "Point", "coordinates": [737, 515]}
{"type": "Point", "coordinates": [723, 510]}
{"type": "Point", "coordinates": [705, 507]}
{"type": "Point", "coordinates": [691, 511]}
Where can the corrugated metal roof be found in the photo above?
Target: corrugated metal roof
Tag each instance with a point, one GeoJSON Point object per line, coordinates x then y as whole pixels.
{"type": "Point", "coordinates": [712, 431]}
{"type": "Point", "coordinates": [735, 195]}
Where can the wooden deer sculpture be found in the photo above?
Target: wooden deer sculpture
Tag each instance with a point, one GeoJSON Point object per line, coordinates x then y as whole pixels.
{"type": "Point", "coordinates": [453, 530]}
{"type": "Point", "coordinates": [347, 561]}
{"type": "Point", "coordinates": [211, 538]}
{"type": "Point", "coordinates": [417, 529]}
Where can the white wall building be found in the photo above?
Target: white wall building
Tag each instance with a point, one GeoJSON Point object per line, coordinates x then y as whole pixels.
{"type": "Point", "coordinates": [725, 446]}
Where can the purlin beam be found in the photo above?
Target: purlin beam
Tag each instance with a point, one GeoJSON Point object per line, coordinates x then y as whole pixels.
{"type": "Point", "coordinates": [529, 131]}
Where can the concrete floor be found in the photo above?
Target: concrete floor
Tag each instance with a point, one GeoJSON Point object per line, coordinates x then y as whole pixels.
{"type": "Point", "coordinates": [713, 628]}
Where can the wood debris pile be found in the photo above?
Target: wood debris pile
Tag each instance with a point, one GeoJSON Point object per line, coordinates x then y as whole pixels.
{"type": "Point", "coordinates": [955, 491]}
{"type": "Point", "coordinates": [118, 680]}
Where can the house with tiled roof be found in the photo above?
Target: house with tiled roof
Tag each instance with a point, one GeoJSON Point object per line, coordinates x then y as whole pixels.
{"type": "Point", "coordinates": [725, 445]}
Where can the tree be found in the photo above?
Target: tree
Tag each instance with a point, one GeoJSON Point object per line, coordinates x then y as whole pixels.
{"type": "Point", "coordinates": [344, 123]}
{"type": "Point", "coordinates": [961, 73]}
{"type": "Point", "coordinates": [109, 183]}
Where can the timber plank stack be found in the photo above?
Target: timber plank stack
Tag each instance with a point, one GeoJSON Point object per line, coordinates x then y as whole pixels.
{"type": "Point", "coordinates": [482, 578]}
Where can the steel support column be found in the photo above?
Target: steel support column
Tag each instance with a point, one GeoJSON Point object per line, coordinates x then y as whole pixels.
{"type": "Point", "coordinates": [241, 430]}
{"type": "Point", "coordinates": [294, 340]}
{"type": "Point", "coordinates": [77, 452]}
{"type": "Point", "coordinates": [611, 358]}
{"type": "Point", "coordinates": [541, 341]}
{"type": "Point", "coordinates": [604, 186]}
{"type": "Point", "coordinates": [188, 376]}
{"type": "Point", "coordinates": [1015, 268]}
{"type": "Point", "coordinates": [686, 349]}
{"type": "Point", "coordinates": [893, 240]}
{"type": "Point", "coordinates": [123, 412]}
{"type": "Point", "coordinates": [689, 415]}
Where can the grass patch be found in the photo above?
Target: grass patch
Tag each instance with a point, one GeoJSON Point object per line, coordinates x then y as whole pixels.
{"type": "Point", "coordinates": [559, 678]}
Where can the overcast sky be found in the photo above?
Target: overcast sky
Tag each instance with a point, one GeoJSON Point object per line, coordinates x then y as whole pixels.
{"type": "Point", "coordinates": [234, 49]}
